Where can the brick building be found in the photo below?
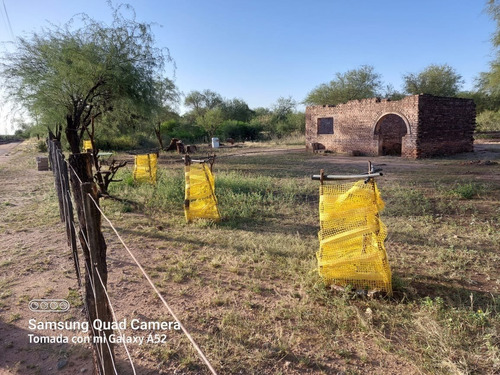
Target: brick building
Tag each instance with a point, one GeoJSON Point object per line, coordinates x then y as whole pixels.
{"type": "Point", "coordinates": [417, 126]}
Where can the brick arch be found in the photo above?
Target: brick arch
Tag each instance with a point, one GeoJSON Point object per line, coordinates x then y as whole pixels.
{"type": "Point", "coordinates": [403, 117]}
{"type": "Point", "coordinates": [389, 132]}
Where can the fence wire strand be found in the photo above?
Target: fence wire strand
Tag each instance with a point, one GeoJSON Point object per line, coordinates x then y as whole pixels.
{"type": "Point", "coordinates": [92, 284]}
{"type": "Point", "coordinates": [114, 317]}
{"type": "Point", "coordinates": [184, 330]}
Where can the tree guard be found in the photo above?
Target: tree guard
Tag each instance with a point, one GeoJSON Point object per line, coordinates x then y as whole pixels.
{"type": "Point", "coordinates": [352, 235]}
{"type": "Point", "coordinates": [145, 168]}
{"type": "Point", "coordinates": [200, 200]}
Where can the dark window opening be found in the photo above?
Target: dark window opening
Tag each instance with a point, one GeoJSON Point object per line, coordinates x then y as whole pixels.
{"type": "Point", "coordinates": [325, 125]}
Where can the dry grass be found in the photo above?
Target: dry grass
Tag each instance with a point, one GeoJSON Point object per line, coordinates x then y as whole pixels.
{"type": "Point", "coordinates": [248, 290]}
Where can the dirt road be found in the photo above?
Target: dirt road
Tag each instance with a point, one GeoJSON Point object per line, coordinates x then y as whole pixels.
{"type": "Point", "coordinates": [6, 148]}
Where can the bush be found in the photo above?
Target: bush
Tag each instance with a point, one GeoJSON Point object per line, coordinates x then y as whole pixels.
{"type": "Point", "coordinates": [467, 191]}
{"type": "Point", "coordinates": [488, 121]}
{"type": "Point", "coordinates": [124, 142]}
{"type": "Point", "coordinates": [41, 146]}
{"type": "Point", "coordinates": [186, 132]}
{"type": "Point", "coordinates": [239, 131]}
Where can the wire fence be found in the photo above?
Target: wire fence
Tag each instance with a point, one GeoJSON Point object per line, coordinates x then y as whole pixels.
{"type": "Point", "coordinates": [87, 233]}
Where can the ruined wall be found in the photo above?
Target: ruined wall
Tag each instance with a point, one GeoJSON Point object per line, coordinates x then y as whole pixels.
{"type": "Point", "coordinates": [354, 125]}
{"type": "Point", "coordinates": [445, 126]}
{"type": "Point", "coordinates": [432, 126]}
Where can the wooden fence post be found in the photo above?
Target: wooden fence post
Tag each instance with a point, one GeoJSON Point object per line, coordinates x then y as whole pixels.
{"type": "Point", "coordinates": [98, 272]}
{"type": "Point", "coordinates": [68, 212]}
{"type": "Point", "coordinates": [81, 173]}
{"type": "Point", "coordinates": [56, 146]}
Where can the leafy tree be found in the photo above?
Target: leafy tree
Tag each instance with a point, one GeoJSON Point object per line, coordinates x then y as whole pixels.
{"type": "Point", "coordinates": [484, 100]}
{"type": "Point", "coordinates": [236, 109]}
{"type": "Point", "coordinates": [439, 80]}
{"type": "Point", "coordinates": [211, 120]}
{"type": "Point", "coordinates": [489, 82]}
{"type": "Point", "coordinates": [201, 102]}
{"type": "Point", "coordinates": [282, 108]}
{"type": "Point", "coordinates": [76, 74]}
{"type": "Point", "coordinates": [359, 83]}
{"type": "Point", "coordinates": [391, 93]}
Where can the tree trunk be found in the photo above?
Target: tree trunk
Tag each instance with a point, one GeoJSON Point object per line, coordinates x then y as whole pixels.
{"type": "Point", "coordinates": [72, 134]}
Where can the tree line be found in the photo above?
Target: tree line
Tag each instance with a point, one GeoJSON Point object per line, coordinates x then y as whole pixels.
{"type": "Point", "coordinates": [115, 76]}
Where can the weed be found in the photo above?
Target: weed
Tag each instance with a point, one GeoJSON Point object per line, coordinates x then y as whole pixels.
{"type": "Point", "coordinates": [41, 146]}
{"type": "Point", "coordinates": [74, 298]}
{"type": "Point", "coordinates": [468, 190]}
{"type": "Point", "coordinates": [13, 317]}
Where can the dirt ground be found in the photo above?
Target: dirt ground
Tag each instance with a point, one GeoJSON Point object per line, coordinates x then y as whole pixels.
{"type": "Point", "coordinates": [35, 262]}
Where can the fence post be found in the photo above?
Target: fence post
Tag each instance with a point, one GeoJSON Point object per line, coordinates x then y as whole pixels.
{"type": "Point", "coordinates": [56, 146]}
{"type": "Point", "coordinates": [98, 271]}
{"type": "Point", "coordinates": [80, 176]}
{"type": "Point", "coordinates": [68, 213]}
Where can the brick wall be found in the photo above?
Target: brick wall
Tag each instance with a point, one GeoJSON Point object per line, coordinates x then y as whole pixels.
{"type": "Point", "coordinates": [424, 125]}
{"type": "Point", "coordinates": [354, 124]}
{"type": "Point", "coordinates": [446, 125]}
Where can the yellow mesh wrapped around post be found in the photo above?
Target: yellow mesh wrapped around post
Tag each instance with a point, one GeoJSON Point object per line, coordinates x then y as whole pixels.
{"type": "Point", "coordinates": [87, 145]}
{"type": "Point", "coordinates": [352, 237]}
{"type": "Point", "coordinates": [145, 168]}
{"type": "Point", "coordinates": [200, 200]}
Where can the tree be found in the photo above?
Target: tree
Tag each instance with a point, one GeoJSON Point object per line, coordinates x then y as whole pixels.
{"type": "Point", "coordinates": [283, 107]}
{"type": "Point", "coordinates": [487, 97]}
{"type": "Point", "coordinates": [391, 93]}
{"type": "Point", "coordinates": [359, 83]}
{"type": "Point", "coordinates": [200, 102]}
{"type": "Point", "coordinates": [211, 120]}
{"type": "Point", "coordinates": [439, 80]}
{"type": "Point", "coordinates": [236, 109]}
{"type": "Point", "coordinates": [167, 96]}
{"type": "Point", "coordinates": [76, 74]}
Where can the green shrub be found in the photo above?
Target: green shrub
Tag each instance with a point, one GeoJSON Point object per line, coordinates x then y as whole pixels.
{"type": "Point", "coordinates": [467, 191]}
{"type": "Point", "coordinates": [239, 131]}
{"type": "Point", "coordinates": [125, 142]}
{"type": "Point", "coordinates": [186, 132]}
{"type": "Point", "coordinates": [488, 121]}
{"type": "Point", "coordinates": [41, 146]}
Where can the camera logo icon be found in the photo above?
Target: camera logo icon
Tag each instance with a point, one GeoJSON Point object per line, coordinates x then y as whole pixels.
{"type": "Point", "coordinates": [48, 305]}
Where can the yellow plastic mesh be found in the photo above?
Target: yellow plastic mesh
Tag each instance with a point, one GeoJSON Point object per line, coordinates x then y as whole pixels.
{"type": "Point", "coordinates": [352, 237]}
{"type": "Point", "coordinates": [201, 202]}
{"type": "Point", "coordinates": [87, 145]}
{"type": "Point", "coordinates": [145, 168]}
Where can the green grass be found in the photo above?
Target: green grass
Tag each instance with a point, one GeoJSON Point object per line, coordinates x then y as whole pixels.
{"type": "Point", "coordinates": [248, 290]}
{"type": "Point", "coordinates": [467, 191]}
{"type": "Point", "coordinates": [258, 266]}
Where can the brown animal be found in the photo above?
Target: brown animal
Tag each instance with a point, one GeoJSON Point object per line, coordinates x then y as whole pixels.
{"type": "Point", "coordinates": [191, 149]}
{"type": "Point", "coordinates": [180, 147]}
{"type": "Point", "coordinates": [173, 145]}
{"type": "Point", "coordinates": [230, 140]}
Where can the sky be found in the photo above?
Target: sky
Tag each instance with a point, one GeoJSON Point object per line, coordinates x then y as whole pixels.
{"type": "Point", "coordinates": [260, 50]}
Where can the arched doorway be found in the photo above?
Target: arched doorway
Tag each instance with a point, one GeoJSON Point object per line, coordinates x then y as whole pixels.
{"type": "Point", "coordinates": [390, 130]}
